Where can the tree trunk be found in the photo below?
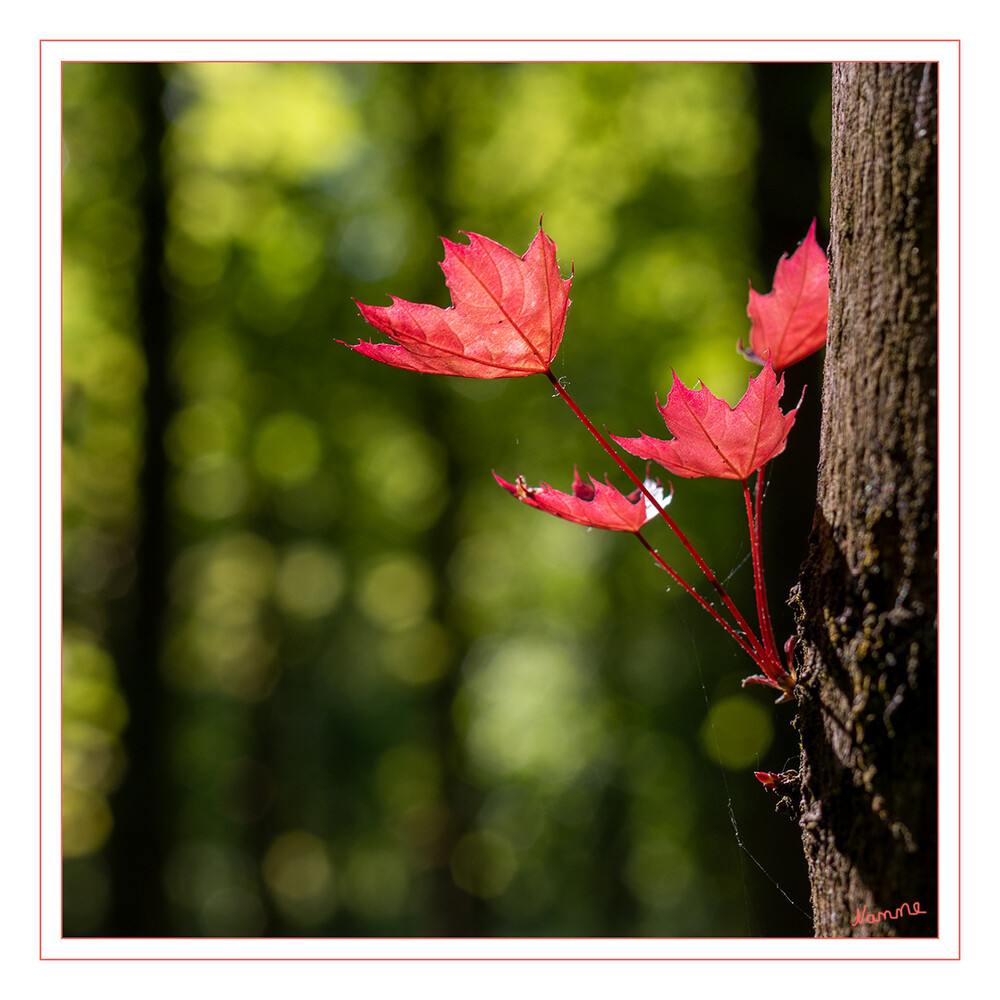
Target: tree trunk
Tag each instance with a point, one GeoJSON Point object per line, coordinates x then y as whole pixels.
{"type": "Point", "coordinates": [867, 599]}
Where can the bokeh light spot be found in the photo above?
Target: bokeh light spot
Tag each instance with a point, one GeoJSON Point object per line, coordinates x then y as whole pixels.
{"type": "Point", "coordinates": [287, 448]}
{"type": "Point", "coordinates": [298, 872]}
{"type": "Point", "coordinates": [483, 864]}
{"type": "Point", "coordinates": [531, 713]}
{"type": "Point", "coordinates": [396, 592]}
{"type": "Point", "coordinates": [736, 732]}
{"type": "Point", "coordinates": [214, 487]}
{"type": "Point", "coordinates": [376, 883]}
{"type": "Point", "coordinates": [309, 580]}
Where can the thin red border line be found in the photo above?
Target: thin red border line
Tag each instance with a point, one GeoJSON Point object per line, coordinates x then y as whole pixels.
{"type": "Point", "coordinates": [490, 41]}
{"type": "Point", "coordinates": [435, 939]}
{"type": "Point", "coordinates": [60, 610]}
{"type": "Point", "coordinates": [41, 866]}
{"type": "Point", "coordinates": [957, 42]}
{"type": "Point", "coordinates": [958, 124]}
{"type": "Point", "coordinates": [502, 958]}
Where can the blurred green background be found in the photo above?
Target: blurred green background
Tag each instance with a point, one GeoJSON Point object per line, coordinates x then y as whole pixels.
{"type": "Point", "coordinates": [321, 675]}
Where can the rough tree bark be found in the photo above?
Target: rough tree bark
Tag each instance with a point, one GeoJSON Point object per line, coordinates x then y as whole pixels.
{"type": "Point", "coordinates": [867, 697]}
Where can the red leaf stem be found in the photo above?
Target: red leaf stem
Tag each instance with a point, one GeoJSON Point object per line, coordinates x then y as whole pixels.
{"type": "Point", "coordinates": [758, 648]}
{"type": "Point", "coordinates": [743, 642]}
{"type": "Point", "coordinates": [758, 526]}
{"type": "Point", "coordinates": [770, 663]}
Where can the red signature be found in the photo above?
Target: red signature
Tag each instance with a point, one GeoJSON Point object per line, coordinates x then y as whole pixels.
{"type": "Point", "coordinates": [864, 917]}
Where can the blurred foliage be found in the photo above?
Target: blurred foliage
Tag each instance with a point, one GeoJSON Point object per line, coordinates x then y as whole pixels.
{"type": "Point", "coordinates": [388, 699]}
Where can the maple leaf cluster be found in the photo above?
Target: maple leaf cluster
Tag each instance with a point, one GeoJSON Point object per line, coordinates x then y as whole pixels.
{"type": "Point", "coordinates": [507, 319]}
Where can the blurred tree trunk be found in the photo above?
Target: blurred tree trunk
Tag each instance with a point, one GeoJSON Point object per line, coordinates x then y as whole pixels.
{"type": "Point", "coordinates": [138, 843]}
{"type": "Point", "coordinates": [867, 696]}
{"type": "Point", "coordinates": [451, 911]}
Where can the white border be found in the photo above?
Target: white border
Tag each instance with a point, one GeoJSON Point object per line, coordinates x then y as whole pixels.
{"type": "Point", "coordinates": [53, 53]}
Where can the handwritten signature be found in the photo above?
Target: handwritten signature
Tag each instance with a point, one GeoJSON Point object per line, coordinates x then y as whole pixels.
{"type": "Point", "coordinates": [864, 917]}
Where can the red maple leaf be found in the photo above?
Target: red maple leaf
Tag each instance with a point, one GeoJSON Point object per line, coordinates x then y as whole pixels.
{"type": "Point", "coordinates": [593, 504]}
{"type": "Point", "coordinates": [507, 319]}
{"type": "Point", "coordinates": [713, 439]}
{"type": "Point", "coordinates": [789, 323]}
